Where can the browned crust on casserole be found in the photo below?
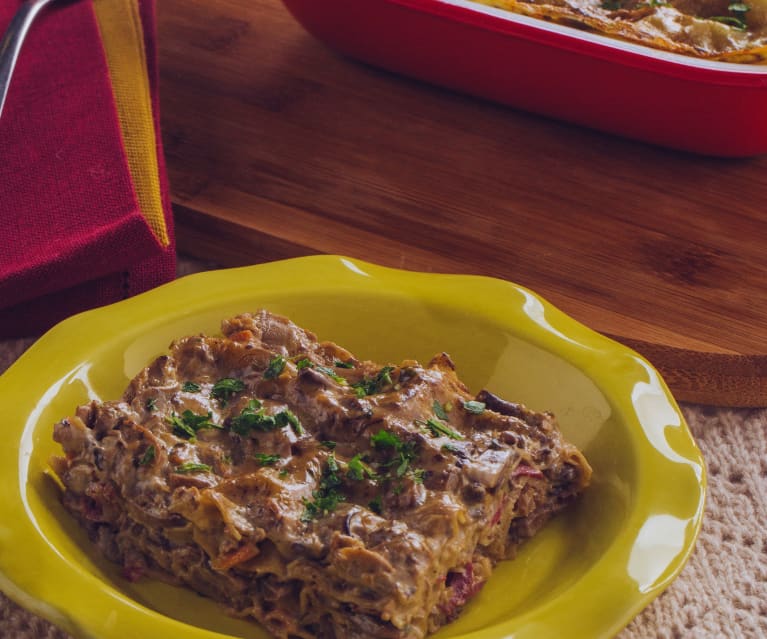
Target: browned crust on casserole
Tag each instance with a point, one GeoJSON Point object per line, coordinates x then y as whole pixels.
{"type": "Point", "coordinates": [321, 495]}
{"type": "Point", "coordinates": [713, 29]}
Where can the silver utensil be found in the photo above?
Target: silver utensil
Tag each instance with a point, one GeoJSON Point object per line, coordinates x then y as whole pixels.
{"type": "Point", "coordinates": [11, 43]}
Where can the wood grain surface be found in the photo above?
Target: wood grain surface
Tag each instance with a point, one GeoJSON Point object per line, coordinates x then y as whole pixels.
{"type": "Point", "coordinates": [278, 147]}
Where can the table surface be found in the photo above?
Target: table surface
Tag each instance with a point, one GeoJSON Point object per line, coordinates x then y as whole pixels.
{"type": "Point", "coordinates": [277, 147]}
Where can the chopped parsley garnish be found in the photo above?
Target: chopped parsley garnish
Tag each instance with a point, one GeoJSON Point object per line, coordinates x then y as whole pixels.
{"type": "Point", "coordinates": [188, 423]}
{"type": "Point", "coordinates": [275, 368]}
{"type": "Point", "coordinates": [254, 417]}
{"type": "Point", "coordinates": [304, 363]}
{"type": "Point", "coordinates": [284, 472]}
{"type": "Point", "coordinates": [359, 470]}
{"type": "Point", "coordinates": [437, 428]}
{"type": "Point", "coordinates": [151, 404]}
{"type": "Point", "coordinates": [326, 497]}
{"type": "Point", "coordinates": [440, 410]}
{"type": "Point", "coordinates": [224, 388]}
{"type": "Point", "coordinates": [340, 364]}
{"type": "Point", "coordinates": [191, 387]}
{"type": "Point", "coordinates": [288, 417]}
{"type": "Point", "coordinates": [474, 407]}
{"type": "Point", "coordinates": [385, 439]}
{"type": "Point", "coordinates": [404, 451]}
{"type": "Point", "coordinates": [193, 467]}
{"type": "Point", "coordinates": [148, 456]}
{"type": "Point", "coordinates": [731, 21]}
{"type": "Point", "coordinates": [405, 456]}
{"type": "Point", "coordinates": [376, 505]}
{"type": "Point", "coordinates": [451, 448]}
{"type": "Point", "coordinates": [266, 459]}
{"type": "Point", "coordinates": [738, 18]}
{"type": "Point", "coordinates": [331, 374]}
{"type": "Point", "coordinates": [330, 445]}
{"type": "Point", "coordinates": [375, 385]}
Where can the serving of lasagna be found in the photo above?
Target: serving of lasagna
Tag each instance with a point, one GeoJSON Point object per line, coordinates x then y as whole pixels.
{"type": "Point", "coordinates": [321, 495]}
{"type": "Point", "coordinates": [728, 30]}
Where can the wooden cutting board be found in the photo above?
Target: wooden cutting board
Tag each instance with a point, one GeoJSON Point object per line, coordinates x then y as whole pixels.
{"type": "Point", "coordinates": [278, 147]}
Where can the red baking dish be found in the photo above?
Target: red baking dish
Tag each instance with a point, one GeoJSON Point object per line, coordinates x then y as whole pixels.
{"type": "Point", "coordinates": [709, 107]}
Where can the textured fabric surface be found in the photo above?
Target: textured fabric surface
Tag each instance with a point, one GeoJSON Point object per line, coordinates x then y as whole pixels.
{"type": "Point", "coordinates": [722, 591]}
{"type": "Point", "coordinates": [123, 33]}
{"type": "Point", "coordinates": [73, 234]}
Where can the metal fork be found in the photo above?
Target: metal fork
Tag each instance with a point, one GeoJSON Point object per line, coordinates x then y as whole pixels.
{"type": "Point", "coordinates": [11, 43]}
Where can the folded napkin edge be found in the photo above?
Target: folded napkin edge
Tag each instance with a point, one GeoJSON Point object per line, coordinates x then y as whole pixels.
{"type": "Point", "coordinates": [104, 249]}
{"type": "Point", "coordinates": [124, 43]}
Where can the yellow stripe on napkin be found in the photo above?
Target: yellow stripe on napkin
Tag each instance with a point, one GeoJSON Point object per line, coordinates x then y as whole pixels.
{"type": "Point", "coordinates": [123, 37]}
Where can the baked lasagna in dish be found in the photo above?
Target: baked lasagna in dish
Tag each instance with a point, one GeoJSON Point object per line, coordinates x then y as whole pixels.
{"type": "Point", "coordinates": [321, 495]}
{"type": "Point", "coordinates": [728, 30]}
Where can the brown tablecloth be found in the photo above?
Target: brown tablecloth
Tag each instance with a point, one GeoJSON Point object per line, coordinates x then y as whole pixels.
{"type": "Point", "coordinates": [722, 591]}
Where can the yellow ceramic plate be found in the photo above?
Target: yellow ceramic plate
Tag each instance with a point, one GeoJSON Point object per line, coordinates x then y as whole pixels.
{"type": "Point", "coordinates": [585, 576]}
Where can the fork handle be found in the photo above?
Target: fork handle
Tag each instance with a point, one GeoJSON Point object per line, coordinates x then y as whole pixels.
{"type": "Point", "coordinates": [10, 45]}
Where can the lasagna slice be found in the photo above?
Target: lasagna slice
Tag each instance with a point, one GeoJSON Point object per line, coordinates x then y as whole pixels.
{"type": "Point", "coordinates": [321, 495]}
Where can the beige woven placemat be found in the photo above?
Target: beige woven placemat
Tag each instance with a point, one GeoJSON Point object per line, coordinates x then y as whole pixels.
{"type": "Point", "coordinates": [720, 594]}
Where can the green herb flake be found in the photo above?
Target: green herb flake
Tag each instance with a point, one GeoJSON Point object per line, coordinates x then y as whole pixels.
{"type": "Point", "coordinates": [340, 364]}
{"type": "Point", "coordinates": [437, 428]}
{"type": "Point", "coordinates": [265, 459]}
{"type": "Point", "coordinates": [738, 7]}
{"type": "Point", "coordinates": [376, 505]}
{"type": "Point", "coordinates": [375, 385]}
{"type": "Point", "coordinates": [332, 374]}
{"type": "Point", "coordinates": [275, 367]}
{"type": "Point", "coordinates": [439, 410]}
{"type": "Point", "coordinates": [405, 455]}
{"type": "Point", "coordinates": [474, 407]}
{"type": "Point", "coordinates": [191, 387]}
{"type": "Point", "coordinates": [151, 404]}
{"type": "Point", "coordinates": [322, 504]}
{"type": "Point", "coordinates": [148, 457]}
{"type": "Point", "coordinates": [192, 467]}
{"type": "Point", "coordinates": [224, 388]}
{"type": "Point", "coordinates": [180, 428]}
{"type": "Point", "coordinates": [188, 423]}
{"type": "Point", "coordinates": [304, 363]}
{"type": "Point", "coordinates": [284, 472]}
{"type": "Point", "coordinates": [404, 451]}
{"type": "Point", "coordinates": [385, 439]}
{"type": "Point", "coordinates": [333, 469]}
{"type": "Point", "coordinates": [326, 497]}
{"type": "Point", "coordinates": [731, 21]}
{"type": "Point", "coordinates": [253, 417]}
{"type": "Point", "coordinates": [359, 470]}
{"type": "Point", "coordinates": [451, 448]}
{"type": "Point", "coordinates": [330, 445]}
{"type": "Point", "coordinates": [288, 417]}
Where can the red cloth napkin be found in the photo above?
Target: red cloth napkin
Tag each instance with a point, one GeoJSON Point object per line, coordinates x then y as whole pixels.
{"type": "Point", "coordinates": [72, 235]}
